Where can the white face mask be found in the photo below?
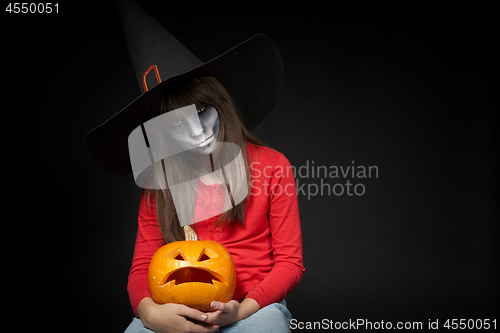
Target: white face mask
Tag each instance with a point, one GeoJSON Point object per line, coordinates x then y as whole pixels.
{"type": "Point", "coordinates": [169, 149]}
{"type": "Point", "coordinates": [195, 131]}
{"type": "Point", "coordinates": [178, 131]}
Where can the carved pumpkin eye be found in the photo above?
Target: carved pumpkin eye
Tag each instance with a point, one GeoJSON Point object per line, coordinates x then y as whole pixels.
{"type": "Point", "coordinates": [176, 254]}
{"type": "Point", "coordinates": [204, 257]}
{"type": "Point", "coordinates": [206, 254]}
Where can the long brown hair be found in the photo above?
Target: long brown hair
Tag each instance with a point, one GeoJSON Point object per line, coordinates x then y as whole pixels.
{"type": "Point", "coordinates": [202, 91]}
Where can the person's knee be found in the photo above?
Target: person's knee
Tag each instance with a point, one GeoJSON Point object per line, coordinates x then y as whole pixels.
{"type": "Point", "coordinates": [280, 325]}
{"type": "Point", "coordinates": [137, 327]}
{"type": "Point", "coordinates": [275, 318]}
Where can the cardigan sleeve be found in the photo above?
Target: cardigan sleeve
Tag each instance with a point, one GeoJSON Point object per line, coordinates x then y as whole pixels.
{"type": "Point", "coordinates": [286, 237]}
{"type": "Point", "coordinates": [148, 240]}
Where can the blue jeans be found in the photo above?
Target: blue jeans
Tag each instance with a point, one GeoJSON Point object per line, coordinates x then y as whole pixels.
{"type": "Point", "coordinates": [273, 318]}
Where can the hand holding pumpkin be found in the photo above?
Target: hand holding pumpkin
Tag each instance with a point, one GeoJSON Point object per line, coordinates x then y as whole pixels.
{"type": "Point", "coordinates": [231, 312]}
{"type": "Point", "coordinates": [170, 317]}
{"type": "Point", "coordinates": [189, 277]}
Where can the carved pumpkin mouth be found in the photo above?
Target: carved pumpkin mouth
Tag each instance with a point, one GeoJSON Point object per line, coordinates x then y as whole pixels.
{"type": "Point", "coordinates": [192, 274]}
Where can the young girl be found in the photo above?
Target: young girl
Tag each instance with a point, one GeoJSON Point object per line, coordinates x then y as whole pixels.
{"type": "Point", "coordinates": [262, 232]}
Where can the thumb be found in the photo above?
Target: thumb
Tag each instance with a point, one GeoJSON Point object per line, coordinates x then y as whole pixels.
{"type": "Point", "coordinates": [224, 307]}
{"type": "Point", "coordinates": [191, 313]}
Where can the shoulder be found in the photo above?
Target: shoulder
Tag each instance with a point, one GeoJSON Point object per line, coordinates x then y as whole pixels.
{"type": "Point", "coordinates": [266, 157]}
{"type": "Point", "coordinates": [147, 205]}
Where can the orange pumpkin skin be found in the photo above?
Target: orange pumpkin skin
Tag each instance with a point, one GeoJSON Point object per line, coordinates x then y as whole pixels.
{"type": "Point", "coordinates": [193, 273]}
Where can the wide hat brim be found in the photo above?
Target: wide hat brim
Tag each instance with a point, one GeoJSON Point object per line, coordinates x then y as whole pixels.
{"type": "Point", "coordinates": [252, 73]}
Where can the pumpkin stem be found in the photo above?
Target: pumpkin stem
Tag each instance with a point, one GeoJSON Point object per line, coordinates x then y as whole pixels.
{"type": "Point", "coordinates": [190, 234]}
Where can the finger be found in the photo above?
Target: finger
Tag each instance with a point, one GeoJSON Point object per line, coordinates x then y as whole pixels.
{"type": "Point", "coordinates": [191, 313]}
{"type": "Point", "coordinates": [224, 307]}
{"type": "Point", "coordinates": [213, 317]}
{"type": "Point", "coordinates": [199, 328]}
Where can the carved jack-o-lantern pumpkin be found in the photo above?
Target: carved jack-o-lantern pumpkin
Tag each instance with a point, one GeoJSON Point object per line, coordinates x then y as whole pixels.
{"type": "Point", "coordinates": [192, 272]}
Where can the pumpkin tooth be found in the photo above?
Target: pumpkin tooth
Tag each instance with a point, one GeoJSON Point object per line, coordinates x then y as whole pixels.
{"type": "Point", "coordinates": [165, 279]}
{"type": "Point", "coordinates": [170, 284]}
{"type": "Point", "coordinates": [217, 284]}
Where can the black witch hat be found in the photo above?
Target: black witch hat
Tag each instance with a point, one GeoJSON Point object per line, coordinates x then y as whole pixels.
{"type": "Point", "coordinates": [252, 73]}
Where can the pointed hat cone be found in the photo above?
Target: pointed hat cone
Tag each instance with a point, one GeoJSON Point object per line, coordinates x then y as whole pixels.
{"type": "Point", "coordinates": [252, 73]}
{"type": "Point", "coordinates": [151, 44]}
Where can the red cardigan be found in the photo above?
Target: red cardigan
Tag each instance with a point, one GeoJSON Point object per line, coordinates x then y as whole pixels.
{"type": "Point", "coordinates": [267, 250]}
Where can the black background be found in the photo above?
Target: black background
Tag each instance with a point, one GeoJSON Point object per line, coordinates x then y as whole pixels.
{"type": "Point", "coordinates": [408, 88]}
